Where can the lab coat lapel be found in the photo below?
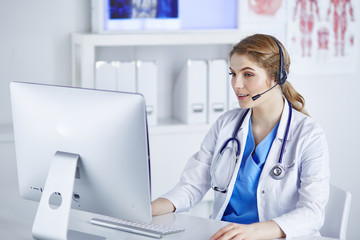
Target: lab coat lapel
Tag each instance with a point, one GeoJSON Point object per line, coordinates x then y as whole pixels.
{"type": "Point", "coordinates": [273, 156]}
{"type": "Point", "coordinates": [241, 136]}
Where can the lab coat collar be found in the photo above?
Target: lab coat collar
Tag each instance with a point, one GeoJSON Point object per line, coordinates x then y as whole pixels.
{"type": "Point", "coordinates": [242, 134]}
{"type": "Point", "coordinates": [283, 123]}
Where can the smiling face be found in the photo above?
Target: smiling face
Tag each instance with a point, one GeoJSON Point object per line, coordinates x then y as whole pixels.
{"type": "Point", "coordinates": [248, 80]}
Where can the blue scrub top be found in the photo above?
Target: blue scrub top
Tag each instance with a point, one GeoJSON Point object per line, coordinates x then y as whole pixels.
{"type": "Point", "coordinates": [242, 207]}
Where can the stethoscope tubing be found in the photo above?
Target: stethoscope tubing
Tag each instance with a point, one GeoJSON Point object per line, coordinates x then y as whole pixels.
{"type": "Point", "coordinates": [286, 134]}
{"type": "Point", "coordinates": [234, 138]}
{"type": "Point", "coordinates": [278, 171]}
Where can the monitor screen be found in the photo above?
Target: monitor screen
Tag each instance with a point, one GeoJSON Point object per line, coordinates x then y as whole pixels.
{"type": "Point", "coordinates": [106, 130]}
{"type": "Point", "coordinates": [126, 15]}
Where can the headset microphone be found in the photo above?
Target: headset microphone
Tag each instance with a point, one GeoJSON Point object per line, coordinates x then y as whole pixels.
{"type": "Point", "coordinates": [259, 95]}
{"type": "Point", "coordinates": [281, 76]}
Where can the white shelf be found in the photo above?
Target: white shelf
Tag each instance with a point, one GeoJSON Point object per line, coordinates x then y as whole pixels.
{"type": "Point", "coordinates": [158, 38]}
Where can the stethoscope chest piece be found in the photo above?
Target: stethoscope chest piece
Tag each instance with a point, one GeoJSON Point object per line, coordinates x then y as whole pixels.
{"type": "Point", "coordinates": [277, 172]}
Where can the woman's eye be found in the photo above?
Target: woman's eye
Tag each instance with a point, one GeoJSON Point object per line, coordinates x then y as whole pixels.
{"type": "Point", "coordinates": [248, 74]}
{"type": "Point", "coordinates": [231, 74]}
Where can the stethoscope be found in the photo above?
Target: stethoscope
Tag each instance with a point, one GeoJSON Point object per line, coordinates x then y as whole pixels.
{"type": "Point", "coordinates": [277, 172]}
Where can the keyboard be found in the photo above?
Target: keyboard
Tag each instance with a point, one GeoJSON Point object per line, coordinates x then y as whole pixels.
{"type": "Point", "coordinates": [146, 229]}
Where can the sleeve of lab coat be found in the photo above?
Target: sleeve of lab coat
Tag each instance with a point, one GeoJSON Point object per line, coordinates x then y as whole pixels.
{"type": "Point", "coordinates": [308, 217]}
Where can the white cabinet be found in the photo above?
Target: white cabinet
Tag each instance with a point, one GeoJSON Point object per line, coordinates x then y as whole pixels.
{"type": "Point", "coordinates": [171, 142]}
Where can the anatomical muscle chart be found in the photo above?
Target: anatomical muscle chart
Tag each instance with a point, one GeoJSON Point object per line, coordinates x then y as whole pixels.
{"type": "Point", "coordinates": [322, 34]}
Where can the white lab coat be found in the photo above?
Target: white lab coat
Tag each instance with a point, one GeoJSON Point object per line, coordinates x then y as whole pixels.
{"type": "Point", "coordinates": [296, 202]}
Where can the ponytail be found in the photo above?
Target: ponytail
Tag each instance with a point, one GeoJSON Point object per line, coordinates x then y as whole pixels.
{"type": "Point", "coordinates": [296, 100]}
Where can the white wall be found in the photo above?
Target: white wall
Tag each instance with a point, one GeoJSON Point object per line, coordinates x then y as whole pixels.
{"type": "Point", "coordinates": [35, 46]}
{"type": "Point", "coordinates": [35, 42]}
{"type": "Point", "coordinates": [333, 102]}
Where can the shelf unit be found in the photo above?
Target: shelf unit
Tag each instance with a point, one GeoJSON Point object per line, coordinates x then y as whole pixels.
{"type": "Point", "coordinates": [87, 48]}
{"type": "Point", "coordinates": [84, 45]}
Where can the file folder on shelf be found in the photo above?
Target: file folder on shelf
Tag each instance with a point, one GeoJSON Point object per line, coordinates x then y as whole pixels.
{"type": "Point", "coordinates": [218, 88]}
{"type": "Point", "coordinates": [105, 75]}
{"type": "Point", "coordinates": [190, 93]}
{"type": "Point", "coordinates": [147, 85]}
{"type": "Point", "coordinates": [126, 76]}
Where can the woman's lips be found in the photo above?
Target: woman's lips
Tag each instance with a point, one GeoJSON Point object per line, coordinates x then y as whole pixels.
{"type": "Point", "coordinates": [242, 96]}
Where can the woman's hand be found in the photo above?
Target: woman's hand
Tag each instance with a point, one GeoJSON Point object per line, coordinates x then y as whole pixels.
{"type": "Point", "coordinates": [234, 231]}
{"type": "Point", "coordinates": [262, 230]}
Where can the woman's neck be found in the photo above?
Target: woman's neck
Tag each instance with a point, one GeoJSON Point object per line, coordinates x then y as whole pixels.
{"type": "Point", "coordinates": [265, 117]}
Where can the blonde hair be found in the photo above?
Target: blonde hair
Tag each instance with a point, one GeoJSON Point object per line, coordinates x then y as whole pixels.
{"type": "Point", "coordinates": [263, 50]}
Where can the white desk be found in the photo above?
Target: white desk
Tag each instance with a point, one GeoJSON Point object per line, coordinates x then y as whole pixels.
{"type": "Point", "coordinates": [16, 220]}
{"type": "Point", "coordinates": [17, 215]}
{"type": "Point", "coordinates": [195, 228]}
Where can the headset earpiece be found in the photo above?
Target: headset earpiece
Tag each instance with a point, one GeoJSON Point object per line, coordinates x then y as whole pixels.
{"type": "Point", "coordinates": [281, 76]}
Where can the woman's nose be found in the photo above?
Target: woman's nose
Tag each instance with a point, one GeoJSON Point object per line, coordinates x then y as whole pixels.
{"type": "Point", "coordinates": [237, 82]}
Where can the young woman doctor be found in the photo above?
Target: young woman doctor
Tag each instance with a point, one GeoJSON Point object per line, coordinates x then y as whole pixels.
{"type": "Point", "coordinates": [266, 161]}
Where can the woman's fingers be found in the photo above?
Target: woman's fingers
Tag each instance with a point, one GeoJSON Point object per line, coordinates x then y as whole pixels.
{"type": "Point", "coordinates": [231, 231]}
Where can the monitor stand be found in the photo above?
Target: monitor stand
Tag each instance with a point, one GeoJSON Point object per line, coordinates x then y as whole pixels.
{"type": "Point", "coordinates": [51, 222]}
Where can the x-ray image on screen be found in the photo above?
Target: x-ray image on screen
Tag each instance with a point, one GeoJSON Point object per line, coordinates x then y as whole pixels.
{"type": "Point", "coordinates": [130, 15]}
{"type": "Point", "coordinates": [120, 9]}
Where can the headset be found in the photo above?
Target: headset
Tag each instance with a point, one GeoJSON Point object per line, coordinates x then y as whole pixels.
{"type": "Point", "coordinates": [281, 75]}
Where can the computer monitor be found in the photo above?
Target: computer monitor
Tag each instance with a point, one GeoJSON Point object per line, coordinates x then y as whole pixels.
{"type": "Point", "coordinates": [81, 147]}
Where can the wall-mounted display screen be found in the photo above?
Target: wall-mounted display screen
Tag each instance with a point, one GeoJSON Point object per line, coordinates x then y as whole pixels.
{"type": "Point", "coordinates": [120, 15]}
{"type": "Point", "coordinates": [120, 9]}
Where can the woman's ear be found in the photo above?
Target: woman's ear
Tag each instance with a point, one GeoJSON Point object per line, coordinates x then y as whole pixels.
{"type": "Point", "coordinates": [272, 81]}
